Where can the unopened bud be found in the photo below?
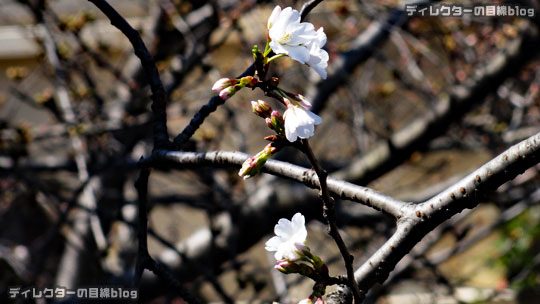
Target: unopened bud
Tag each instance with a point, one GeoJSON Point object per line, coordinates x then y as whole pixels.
{"type": "Point", "coordinates": [287, 267]}
{"type": "Point", "coordinates": [222, 84]}
{"type": "Point", "coordinates": [277, 122]}
{"type": "Point", "coordinates": [227, 92]}
{"type": "Point", "coordinates": [261, 108]}
{"type": "Point", "coordinates": [305, 270]}
{"type": "Point", "coordinates": [270, 149]}
{"type": "Point", "coordinates": [256, 53]}
{"type": "Point", "coordinates": [268, 121]}
{"type": "Point", "coordinates": [248, 81]}
{"type": "Point", "coordinates": [253, 165]}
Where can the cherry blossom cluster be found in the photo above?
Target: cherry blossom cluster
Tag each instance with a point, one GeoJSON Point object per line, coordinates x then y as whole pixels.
{"type": "Point", "coordinates": [293, 256]}
{"type": "Point", "coordinates": [287, 36]}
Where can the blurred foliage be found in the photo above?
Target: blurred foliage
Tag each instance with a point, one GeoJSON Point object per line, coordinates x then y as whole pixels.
{"type": "Point", "coordinates": [520, 242]}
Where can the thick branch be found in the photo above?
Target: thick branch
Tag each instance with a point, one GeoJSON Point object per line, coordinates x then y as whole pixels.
{"type": "Point", "coordinates": [306, 176]}
{"type": "Point", "coordinates": [417, 220]}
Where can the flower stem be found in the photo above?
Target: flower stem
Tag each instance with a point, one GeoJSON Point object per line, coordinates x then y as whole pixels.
{"type": "Point", "coordinates": [330, 217]}
{"type": "Point", "coordinates": [267, 48]}
{"type": "Point", "coordinates": [274, 57]}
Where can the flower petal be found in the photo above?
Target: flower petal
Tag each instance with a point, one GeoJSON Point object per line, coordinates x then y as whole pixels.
{"type": "Point", "coordinates": [290, 236]}
{"type": "Point", "coordinates": [299, 122]}
{"type": "Point", "coordinates": [274, 16]}
{"type": "Point", "coordinates": [284, 228]}
{"type": "Point", "coordinates": [273, 244]}
{"type": "Point", "coordinates": [316, 118]}
{"type": "Point", "coordinates": [299, 53]}
{"type": "Point", "coordinates": [298, 220]}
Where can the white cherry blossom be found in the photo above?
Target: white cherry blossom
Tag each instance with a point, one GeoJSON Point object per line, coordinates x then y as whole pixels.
{"type": "Point", "coordinates": [298, 40]}
{"type": "Point", "coordinates": [289, 235]}
{"type": "Point", "coordinates": [318, 58]}
{"type": "Point", "coordinates": [299, 122]}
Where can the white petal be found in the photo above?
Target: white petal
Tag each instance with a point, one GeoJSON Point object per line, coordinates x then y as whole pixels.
{"type": "Point", "coordinates": [320, 70]}
{"type": "Point", "coordinates": [306, 104]}
{"type": "Point", "coordinates": [283, 20]}
{"type": "Point", "coordinates": [318, 60]}
{"type": "Point", "coordinates": [305, 131]}
{"type": "Point", "coordinates": [299, 53]}
{"type": "Point", "coordinates": [316, 118]}
{"type": "Point", "coordinates": [289, 253]}
{"type": "Point", "coordinates": [273, 244]}
{"type": "Point", "coordinates": [274, 16]}
{"type": "Point", "coordinates": [298, 220]}
{"type": "Point", "coordinates": [288, 15]}
{"type": "Point", "coordinates": [278, 48]}
{"type": "Point", "coordinates": [284, 228]}
{"type": "Point", "coordinates": [291, 124]}
{"type": "Point", "coordinates": [321, 37]}
{"type": "Point", "coordinates": [304, 33]}
{"type": "Point", "coordinates": [290, 236]}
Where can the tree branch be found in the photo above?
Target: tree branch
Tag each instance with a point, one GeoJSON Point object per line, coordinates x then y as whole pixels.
{"type": "Point", "coordinates": [306, 176]}
{"type": "Point", "coordinates": [159, 98]}
{"type": "Point", "coordinates": [329, 214]}
{"type": "Point", "coordinates": [417, 220]}
{"type": "Point", "coordinates": [144, 260]}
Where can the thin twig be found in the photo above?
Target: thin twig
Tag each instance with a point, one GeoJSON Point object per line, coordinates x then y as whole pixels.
{"type": "Point", "coordinates": [144, 260]}
{"type": "Point", "coordinates": [329, 213]}
{"type": "Point", "coordinates": [307, 7]}
{"type": "Point", "coordinates": [203, 112]}
{"type": "Point", "coordinates": [159, 98]}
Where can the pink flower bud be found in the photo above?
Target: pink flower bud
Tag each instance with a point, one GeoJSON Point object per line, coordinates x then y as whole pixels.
{"type": "Point", "coordinates": [227, 93]}
{"type": "Point", "coordinates": [277, 122]}
{"type": "Point", "coordinates": [268, 122]}
{"type": "Point", "coordinates": [222, 84]}
{"type": "Point", "coordinates": [261, 108]}
{"type": "Point", "coordinates": [282, 265]}
{"type": "Point", "coordinates": [280, 269]}
{"type": "Point", "coordinates": [253, 165]}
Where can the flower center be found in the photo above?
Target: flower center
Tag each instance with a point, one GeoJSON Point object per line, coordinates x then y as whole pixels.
{"type": "Point", "coordinates": [284, 39]}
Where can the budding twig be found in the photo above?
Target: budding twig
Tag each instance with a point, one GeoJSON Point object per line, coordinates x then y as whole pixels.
{"type": "Point", "coordinates": [330, 217]}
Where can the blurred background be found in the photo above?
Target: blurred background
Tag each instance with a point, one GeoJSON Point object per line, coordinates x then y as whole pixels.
{"type": "Point", "coordinates": [411, 105]}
